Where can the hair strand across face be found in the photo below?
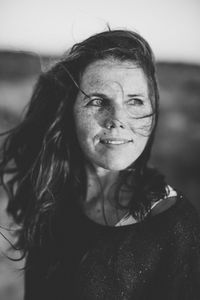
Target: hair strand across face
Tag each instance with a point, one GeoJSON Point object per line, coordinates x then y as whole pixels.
{"type": "Point", "coordinates": [42, 155]}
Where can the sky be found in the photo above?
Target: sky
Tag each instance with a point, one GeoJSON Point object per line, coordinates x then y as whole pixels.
{"type": "Point", "coordinates": [52, 26]}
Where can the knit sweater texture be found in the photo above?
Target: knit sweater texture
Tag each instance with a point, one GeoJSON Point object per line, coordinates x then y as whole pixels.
{"type": "Point", "coordinates": [158, 258]}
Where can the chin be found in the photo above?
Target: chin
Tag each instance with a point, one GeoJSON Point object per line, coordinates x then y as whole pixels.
{"type": "Point", "coordinates": [113, 165]}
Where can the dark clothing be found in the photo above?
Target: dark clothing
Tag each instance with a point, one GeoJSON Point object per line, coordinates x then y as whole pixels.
{"type": "Point", "coordinates": [154, 259]}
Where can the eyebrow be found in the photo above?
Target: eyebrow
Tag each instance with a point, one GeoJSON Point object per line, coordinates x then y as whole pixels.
{"type": "Point", "coordinates": [135, 95]}
{"type": "Point", "coordinates": [96, 95]}
{"type": "Point", "coordinates": [104, 96]}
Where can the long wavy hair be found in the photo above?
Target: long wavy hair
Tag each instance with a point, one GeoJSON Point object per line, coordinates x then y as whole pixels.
{"type": "Point", "coordinates": [42, 166]}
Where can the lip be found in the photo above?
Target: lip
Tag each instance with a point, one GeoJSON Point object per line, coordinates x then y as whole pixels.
{"type": "Point", "coordinates": [115, 141]}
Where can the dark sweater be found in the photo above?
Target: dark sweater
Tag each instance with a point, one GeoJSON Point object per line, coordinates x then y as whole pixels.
{"type": "Point", "coordinates": [158, 258]}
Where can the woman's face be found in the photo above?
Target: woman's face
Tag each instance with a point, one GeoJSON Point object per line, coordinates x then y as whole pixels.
{"type": "Point", "coordinates": [109, 125]}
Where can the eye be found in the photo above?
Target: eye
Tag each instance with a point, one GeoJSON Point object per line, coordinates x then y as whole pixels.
{"type": "Point", "coordinates": [136, 102]}
{"type": "Point", "coordinates": [96, 102]}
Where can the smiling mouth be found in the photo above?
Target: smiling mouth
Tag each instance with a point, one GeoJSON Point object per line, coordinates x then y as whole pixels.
{"type": "Point", "coordinates": [115, 141]}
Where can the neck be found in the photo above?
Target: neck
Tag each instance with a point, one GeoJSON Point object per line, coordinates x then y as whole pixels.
{"type": "Point", "coordinates": [100, 180]}
{"type": "Point", "coordinates": [100, 202]}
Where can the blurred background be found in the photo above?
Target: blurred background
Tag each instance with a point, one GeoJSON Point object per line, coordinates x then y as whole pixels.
{"type": "Point", "coordinates": [34, 33]}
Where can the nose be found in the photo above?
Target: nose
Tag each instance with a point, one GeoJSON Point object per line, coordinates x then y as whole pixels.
{"type": "Point", "coordinates": [115, 118]}
{"type": "Point", "coordinates": [111, 124]}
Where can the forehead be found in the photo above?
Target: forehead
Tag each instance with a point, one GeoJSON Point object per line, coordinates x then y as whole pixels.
{"type": "Point", "coordinates": [112, 73]}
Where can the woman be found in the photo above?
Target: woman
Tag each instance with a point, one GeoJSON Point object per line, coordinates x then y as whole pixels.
{"type": "Point", "coordinates": [96, 221]}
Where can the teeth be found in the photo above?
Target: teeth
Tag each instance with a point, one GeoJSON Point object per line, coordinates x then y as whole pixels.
{"type": "Point", "coordinates": [114, 142]}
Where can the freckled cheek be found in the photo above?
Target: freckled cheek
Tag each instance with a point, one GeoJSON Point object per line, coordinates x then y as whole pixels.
{"type": "Point", "coordinates": [86, 124]}
{"type": "Point", "coordinates": [101, 117]}
{"type": "Point", "coordinates": [141, 125]}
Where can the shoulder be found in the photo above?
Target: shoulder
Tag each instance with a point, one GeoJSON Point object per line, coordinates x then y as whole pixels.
{"type": "Point", "coordinates": [179, 207]}
{"type": "Point", "coordinates": [184, 213]}
{"type": "Point", "coordinates": [186, 221]}
{"type": "Point", "coordinates": [180, 219]}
